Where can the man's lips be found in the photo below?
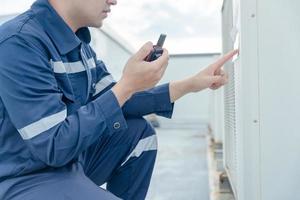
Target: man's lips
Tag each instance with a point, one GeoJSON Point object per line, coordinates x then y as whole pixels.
{"type": "Point", "coordinates": [106, 11]}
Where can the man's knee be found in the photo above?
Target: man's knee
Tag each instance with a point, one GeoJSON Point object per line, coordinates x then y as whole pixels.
{"type": "Point", "coordinates": [145, 140]}
{"type": "Point", "coordinates": [141, 126]}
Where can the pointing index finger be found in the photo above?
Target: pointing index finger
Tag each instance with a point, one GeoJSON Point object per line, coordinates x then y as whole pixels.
{"type": "Point", "coordinates": [219, 63]}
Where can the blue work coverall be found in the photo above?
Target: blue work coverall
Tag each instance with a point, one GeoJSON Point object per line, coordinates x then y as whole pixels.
{"type": "Point", "coordinates": [62, 131]}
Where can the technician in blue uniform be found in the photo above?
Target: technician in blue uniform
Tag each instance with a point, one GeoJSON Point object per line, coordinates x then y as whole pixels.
{"type": "Point", "coordinates": [66, 126]}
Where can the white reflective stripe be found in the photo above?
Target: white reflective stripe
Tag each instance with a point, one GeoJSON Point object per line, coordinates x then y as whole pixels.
{"type": "Point", "coordinates": [103, 83]}
{"type": "Point", "coordinates": [146, 144]}
{"type": "Point", "coordinates": [71, 67]}
{"type": "Point", "coordinates": [42, 125]}
{"type": "Point", "coordinates": [58, 67]}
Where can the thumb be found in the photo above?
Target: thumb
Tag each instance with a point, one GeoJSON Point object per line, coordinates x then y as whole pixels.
{"type": "Point", "coordinates": [216, 79]}
{"type": "Point", "coordinates": [144, 51]}
{"type": "Point", "coordinates": [163, 59]}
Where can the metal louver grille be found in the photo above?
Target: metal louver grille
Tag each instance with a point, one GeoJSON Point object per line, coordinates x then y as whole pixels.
{"type": "Point", "coordinates": [230, 125]}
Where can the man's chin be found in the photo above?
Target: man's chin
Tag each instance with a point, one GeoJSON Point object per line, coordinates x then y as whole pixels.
{"type": "Point", "coordinates": [97, 25]}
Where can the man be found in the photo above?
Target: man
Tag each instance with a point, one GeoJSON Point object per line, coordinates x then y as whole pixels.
{"type": "Point", "coordinates": [66, 126]}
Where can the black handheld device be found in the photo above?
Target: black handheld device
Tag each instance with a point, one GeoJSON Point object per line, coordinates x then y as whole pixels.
{"type": "Point", "coordinates": [157, 49]}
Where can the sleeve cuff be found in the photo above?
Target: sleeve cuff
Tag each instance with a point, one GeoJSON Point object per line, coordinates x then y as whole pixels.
{"type": "Point", "coordinates": [162, 100]}
{"type": "Point", "coordinates": [112, 112]}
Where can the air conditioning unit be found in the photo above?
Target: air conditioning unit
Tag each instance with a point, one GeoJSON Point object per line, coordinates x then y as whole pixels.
{"type": "Point", "coordinates": [262, 99]}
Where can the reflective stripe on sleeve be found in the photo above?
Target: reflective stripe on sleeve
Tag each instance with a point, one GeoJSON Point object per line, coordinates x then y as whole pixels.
{"type": "Point", "coordinates": [103, 83]}
{"type": "Point", "coordinates": [42, 125]}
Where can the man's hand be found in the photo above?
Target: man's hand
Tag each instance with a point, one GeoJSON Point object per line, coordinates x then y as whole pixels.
{"type": "Point", "coordinates": [212, 77]}
{"type": "Point", "coordinates": [139, 75]}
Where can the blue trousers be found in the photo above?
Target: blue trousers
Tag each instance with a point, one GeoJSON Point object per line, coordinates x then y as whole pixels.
{"type": "Point", "coordinates": [123, 160]}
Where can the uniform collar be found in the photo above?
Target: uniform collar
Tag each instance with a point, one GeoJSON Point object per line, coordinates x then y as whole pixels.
{"type": "Point", "coordinates": [61, 34]}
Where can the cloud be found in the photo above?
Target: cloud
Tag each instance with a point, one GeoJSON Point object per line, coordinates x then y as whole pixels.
{"type": "Point", "coordinates": [191, 22]}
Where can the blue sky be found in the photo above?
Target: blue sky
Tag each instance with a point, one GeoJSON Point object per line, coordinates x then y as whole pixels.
{"type": "Point", "coordinates": [192, 26]}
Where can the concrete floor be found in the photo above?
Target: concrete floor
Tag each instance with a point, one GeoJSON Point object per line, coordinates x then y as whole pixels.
{"type": "Point", "coordinates": [181, 167]}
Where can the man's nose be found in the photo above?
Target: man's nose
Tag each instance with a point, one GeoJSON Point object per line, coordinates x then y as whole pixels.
{"type": "Point", "coordinates": [112, 2]}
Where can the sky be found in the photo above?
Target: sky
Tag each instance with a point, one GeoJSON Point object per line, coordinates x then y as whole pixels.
{"type": "Point", "coordinates": [192, 26]}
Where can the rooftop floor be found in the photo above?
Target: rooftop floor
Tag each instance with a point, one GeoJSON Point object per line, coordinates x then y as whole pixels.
{"type": "Point", "coordinates": [181, 170]}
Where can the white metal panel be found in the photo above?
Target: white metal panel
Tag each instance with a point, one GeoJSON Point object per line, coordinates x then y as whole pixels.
{"type": "Point", "coordinates": [243, 163]}
{"type": "Point", "coordinates": [250, 141]}
{"type": "Point", "coordinates": [279, 47]}
{"type": "Point", "coordinates": [266, 103]}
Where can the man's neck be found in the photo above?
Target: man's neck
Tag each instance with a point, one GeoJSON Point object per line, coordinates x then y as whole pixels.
{"type": "Point", "coordinates": [64, 12]}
